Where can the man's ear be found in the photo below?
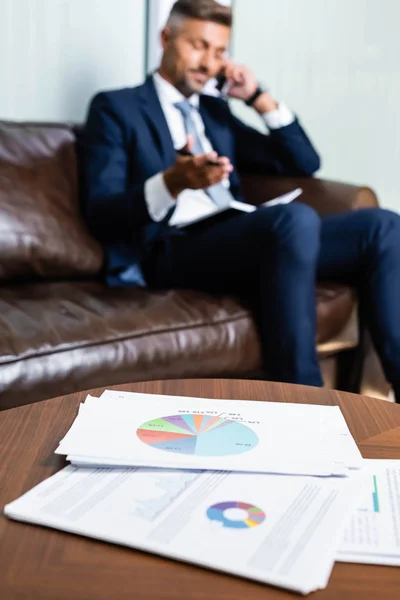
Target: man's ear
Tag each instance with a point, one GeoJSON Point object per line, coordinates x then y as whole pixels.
{"type": "Point", "coordinates": [165, 38]}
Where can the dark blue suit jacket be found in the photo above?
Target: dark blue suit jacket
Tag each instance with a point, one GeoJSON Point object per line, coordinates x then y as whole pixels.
{"type": "Point", "coordinates": [126, 140]}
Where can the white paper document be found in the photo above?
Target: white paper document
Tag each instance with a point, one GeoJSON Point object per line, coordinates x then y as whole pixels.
{"type": "Point", "coordinates": [373, 534]}
{"type": "Point", "coordinates": [281, 530]}
{"type": "Point", "coordinates": [128, 429]}
{"type": "Point", "coordinates": [285, 198]}
{"type": "Point", "coordinates": [193, 207]}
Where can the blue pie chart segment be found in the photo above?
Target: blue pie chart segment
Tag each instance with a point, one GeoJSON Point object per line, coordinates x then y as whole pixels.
{"type": "Point", "coordinates": [182, 446]}
{"type": "Point", "coordinates": [232, 438]}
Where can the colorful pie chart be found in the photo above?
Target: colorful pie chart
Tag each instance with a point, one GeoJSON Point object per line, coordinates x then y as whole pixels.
{"type": "Point", "coordinates": [220, 512]}
{"type": "Point", "coordinates": [201, 435]}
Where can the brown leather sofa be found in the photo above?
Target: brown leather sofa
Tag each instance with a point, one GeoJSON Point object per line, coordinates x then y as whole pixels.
{"type": "Point", "coordinates": [63, 330]}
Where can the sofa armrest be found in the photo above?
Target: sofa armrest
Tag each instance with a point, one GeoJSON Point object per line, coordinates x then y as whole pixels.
{"type": "Point", "coordinates": [326, 197]}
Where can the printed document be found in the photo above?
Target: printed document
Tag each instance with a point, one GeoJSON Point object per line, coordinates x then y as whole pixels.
{"type": "Point", "coordinates": [195, 208]}
{"type": "Point", "coordinates": [280, 530]}
{"type": "Point", "coordinates": [373, 534]}
{"type": "Point", "coordinates": [128, 429]}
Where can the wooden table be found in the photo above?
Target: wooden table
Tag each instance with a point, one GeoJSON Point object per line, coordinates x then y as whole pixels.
{"type": "Point", "coordinates": [36, 563]}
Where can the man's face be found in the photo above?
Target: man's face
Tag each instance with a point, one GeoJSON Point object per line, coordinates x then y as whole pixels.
{"type": "Point", "coordinates": [194, 53]}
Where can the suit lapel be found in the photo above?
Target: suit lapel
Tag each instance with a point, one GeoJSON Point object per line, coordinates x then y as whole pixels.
{"type": "Point", "coordinates": [218, 134]}
{"type": "Point", "coordinates": [151, 108]}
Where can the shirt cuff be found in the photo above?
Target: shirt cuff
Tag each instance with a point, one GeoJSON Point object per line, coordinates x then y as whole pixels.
{"type": "Point", "coordinates": [158, 199]}
{"type": "Point", "coordinates": [280, 117]}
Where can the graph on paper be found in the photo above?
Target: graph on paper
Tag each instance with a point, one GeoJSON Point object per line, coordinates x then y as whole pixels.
{"type": "Point", "coordinates": [236, 515]}
{"type": "Point", "coordinates": [373, 499]}
{"type": "Point", "coordinates": [159, 489]}
{"type": "Point", "coordinates": [197, 434]}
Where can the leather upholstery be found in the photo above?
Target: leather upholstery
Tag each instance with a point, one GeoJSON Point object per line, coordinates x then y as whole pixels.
{"type": "Point", "coordinates": [60, 337]}
{"type": "Point", "coordinates": [326, 197]}
{"type": "Point", "coordinates": [41, 231]}
{"type": "Point", "coordinates": [59, 334]}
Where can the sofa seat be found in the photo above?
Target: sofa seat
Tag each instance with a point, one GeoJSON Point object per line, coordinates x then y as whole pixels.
{"type": "Point", "coordinates": [58, 338]}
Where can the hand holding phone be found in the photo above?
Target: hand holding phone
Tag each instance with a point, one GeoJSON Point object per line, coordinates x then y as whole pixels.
{"type": "Point", "coordinates": [236, 81]}
{"type": "Point", "coordinates": [185, 152]}
{"type": "Point", "coordinates": [196, 171]}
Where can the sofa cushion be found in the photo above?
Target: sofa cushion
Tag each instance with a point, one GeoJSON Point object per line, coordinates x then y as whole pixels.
{"type": "Point", "coordinates": [42, 233]}
{"type": "Point", "coordinates": [57, 338]}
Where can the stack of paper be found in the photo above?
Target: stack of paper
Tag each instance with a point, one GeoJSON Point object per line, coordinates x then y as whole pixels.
{"type": "Point", "coordinates": [271, 492]}
{"type": "Point", "coordinates": [278, 530]}
{"type": "Point", "coordinates": [193, 433]}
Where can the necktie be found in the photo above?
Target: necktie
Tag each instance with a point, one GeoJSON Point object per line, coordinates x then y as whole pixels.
{"type": "Point", "coordinates": [218, 193]}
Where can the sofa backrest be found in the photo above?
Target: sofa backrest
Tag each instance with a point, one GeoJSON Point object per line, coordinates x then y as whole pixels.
{"type": "Point", "coordinates": [42, 231]}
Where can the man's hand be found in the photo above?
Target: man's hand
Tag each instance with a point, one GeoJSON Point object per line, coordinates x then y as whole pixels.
{"type": "Point", "coordinates": [196, 172]}
{"type": "Point", "coordinates": [243, 84]}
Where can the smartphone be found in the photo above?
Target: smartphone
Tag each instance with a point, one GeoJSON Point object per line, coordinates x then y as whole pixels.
{"type": "Point", "coordinates": [222, 84]}
{"type": "Point", "coordinates": [221, 81]}
{"type": "Point", "coordinates": [184, 152]}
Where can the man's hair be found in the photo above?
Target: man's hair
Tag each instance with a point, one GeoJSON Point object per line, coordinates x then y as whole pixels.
{"type": "Point", "coordinates": [204, 10]}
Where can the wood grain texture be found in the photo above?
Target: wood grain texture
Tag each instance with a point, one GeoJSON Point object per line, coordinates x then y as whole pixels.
{"type": "Point", "coordinates": [38, 563]}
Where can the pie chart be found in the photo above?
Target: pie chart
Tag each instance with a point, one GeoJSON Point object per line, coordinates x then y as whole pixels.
{"type": "Point", "coordinates": [201, 435]}
{"type": "Point", "coordinates": [253, 515]}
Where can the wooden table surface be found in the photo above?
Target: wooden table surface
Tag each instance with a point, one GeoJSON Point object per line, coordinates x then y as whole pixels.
{"type": "Point", "coordinates": [38, 563]}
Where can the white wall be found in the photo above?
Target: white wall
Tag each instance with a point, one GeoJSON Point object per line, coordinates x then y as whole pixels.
{"type": "Point", "coordinates": [158, 15]}
{"type": "Point", "coordinates": [337, 64]}
{"type": "Point", "coordinates": [55, 54]}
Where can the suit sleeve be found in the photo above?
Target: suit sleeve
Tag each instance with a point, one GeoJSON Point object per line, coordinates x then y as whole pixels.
{"type": "Point", "coordinates": [286, 151]}
{"type": "Point", "coordinates": [115, 208]}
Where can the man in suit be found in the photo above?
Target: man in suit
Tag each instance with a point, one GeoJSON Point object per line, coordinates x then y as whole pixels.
{"type": "Point", "coordinates": [136, 178]}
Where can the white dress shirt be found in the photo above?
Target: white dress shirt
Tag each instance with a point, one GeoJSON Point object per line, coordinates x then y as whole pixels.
{"type": "Point", "coordinates": [158, 198]}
